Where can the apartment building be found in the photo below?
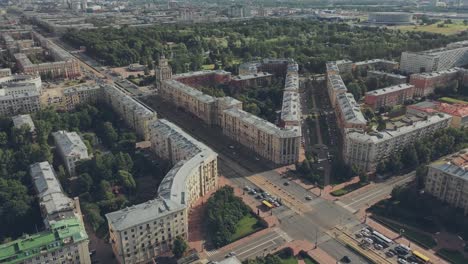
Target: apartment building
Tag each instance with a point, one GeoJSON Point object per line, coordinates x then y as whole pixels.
{"type": "Point", "coordinates": [426, 83]}
{"type": "Point", "coordinates": [458, 112]}
{"type": "Point", "coordinates": [71, 149]}
{"type": "Point", "coordinates": [65, 241]}
{"type": "Point", "coordinates": [259, 79]}
{"type": "Point", "coordinates": [227, 112]}
{"type": "Point", "coordinates": [348, 111]}
{"type": "Point", "coordinates": [453, 55]}
{"type": "Point", "coordinates": [335, 86]}
{"type": "Point", "coordinates": [280, 145]}
{"type": "Point", "coordinates": [20, 84]}
{"type": "Point", "coordinates": [141, 232]}
{"type": "Point", "coordinates": [389, 96]}
{"type": "Point", "coordinates": [447, 180]}
{"type": "Point", "coordinates": [375, 64]}
{"type": "Point", "coordinates": [366, 150]}
{"type": "Point", "coordinates": [19, 103]}
{"type": "Point", "coordinates": [393, 78]}
{"type": "Point", "coordinates": [24, 120]}
{"type": "Point", "coordinates": [5, 72]}
{"type": "Point", "coordinates": [135, 114]}
{"type": "Point", "coordinates": [203, 78]}
{"type": "Point", "coordinates": [81, 94]}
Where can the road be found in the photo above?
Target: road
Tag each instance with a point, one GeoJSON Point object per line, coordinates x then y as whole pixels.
{"type": "Point", "coordinates": [361, 199]}
{"type": "Point", "coordinates": [257, 247]}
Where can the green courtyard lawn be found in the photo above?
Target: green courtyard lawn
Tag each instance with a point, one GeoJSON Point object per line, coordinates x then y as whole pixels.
{"type": "Point", "coordinates": [453, 256]}
{"type": "Point", "coordinates": [447, 29]}
{"type": "Point", "coordinates": [421, 238]}
{"type": "Point", "coordinates": [249, 224]}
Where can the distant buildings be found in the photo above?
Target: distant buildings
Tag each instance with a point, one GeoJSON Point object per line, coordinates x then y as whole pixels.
{"type": "Point", "coordinates": [389, 96]}
{"type": "Point", "coordinates": [390, 18]}
{"type": "Point", "coordinates": [71, 149]}
{"type": "Point", "coordinates": [426, 83]}
{"type": "Point", "coordinates": [447, 180]}
{"type": "Point", "coordinates": [453, 55]}
{"type": "Point", "coordinates": [64, 240]}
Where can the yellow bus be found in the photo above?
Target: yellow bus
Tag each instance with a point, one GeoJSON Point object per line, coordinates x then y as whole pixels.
{"type": "Point", "coordinates": [420, 256]}
{"type": "Point", "coordinates": [267, 204]}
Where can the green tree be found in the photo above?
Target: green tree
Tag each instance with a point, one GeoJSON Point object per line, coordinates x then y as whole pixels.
{"type": "Point", "coordinates": [179, 247]}
{"type": "Point", "coordinates": [83, 183]}
{"type": "Point", "coordinates": [421, 173]}
{"type": "Point", "coordinates": [3, 139]}
{"type": "Point", "coordinates": [409, 157]}
{"type": "Point", "coordinates": [126, 179]}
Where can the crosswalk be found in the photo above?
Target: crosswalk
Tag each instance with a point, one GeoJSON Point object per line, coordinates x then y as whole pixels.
{"type": "Point", "coordinates": [213, 252]}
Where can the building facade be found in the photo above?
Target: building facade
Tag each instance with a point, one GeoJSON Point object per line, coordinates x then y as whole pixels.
{"type": "Point", "coordinates": [447, 180]}
{"type": "Point", "coordinates": [389, 96]}
{"type": "Point", "coordinates": [426, 83]}
{"type": "Point", "coordinates": [71, 149]}
{"type": "Point", "coordinates": [19, 103]}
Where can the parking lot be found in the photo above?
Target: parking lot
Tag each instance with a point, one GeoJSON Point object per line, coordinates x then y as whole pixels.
{"type": "Point", "coordinates": [385, 247]}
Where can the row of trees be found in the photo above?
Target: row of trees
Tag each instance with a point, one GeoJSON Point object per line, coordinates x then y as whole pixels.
{"type": "Point", "coordinates": [223, 212]}
{"type": "Point", "coordinates": [425, 150]}
{"type": "Point", "coordinates": [310, 42]}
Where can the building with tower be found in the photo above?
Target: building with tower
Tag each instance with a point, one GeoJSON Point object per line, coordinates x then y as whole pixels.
{"type": "Point", "coordinates": [162, 71]}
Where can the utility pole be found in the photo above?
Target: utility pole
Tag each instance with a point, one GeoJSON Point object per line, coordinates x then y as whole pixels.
{"type": "Point", "coordinates": [316, 237]}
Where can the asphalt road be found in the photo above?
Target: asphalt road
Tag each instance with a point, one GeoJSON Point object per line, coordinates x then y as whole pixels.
{"type": "Point", "coordinates": [259, 247]}
{"type": "Point", "coordinates": [361, 199]}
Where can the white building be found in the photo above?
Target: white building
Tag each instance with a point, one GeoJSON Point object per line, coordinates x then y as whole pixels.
{"type": "Point", "coordinates": [135, 114]}
{"type": "Point", "coordinates": [71, 149]}
{"type": "Point", "coordinates": [366, 150]}
{"type": "Point", "coordinates": [447, 180]}
{"type": "Point", "coordinates": [19, 103]}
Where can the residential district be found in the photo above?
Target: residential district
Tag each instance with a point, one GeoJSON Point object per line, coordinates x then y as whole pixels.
{"type": "Point", "coordinates": [241, 185]}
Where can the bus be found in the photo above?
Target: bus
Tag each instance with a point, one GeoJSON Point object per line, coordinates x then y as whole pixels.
{"type": "Point", "coordinates": [420, 256]}
{"type": "Point", "coordinates": [382, 237]}
{"type": "Point", "coordinates": [267, 204]}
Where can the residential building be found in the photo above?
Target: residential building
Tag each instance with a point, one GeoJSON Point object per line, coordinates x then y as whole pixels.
{"type": "Point", "coordinates": [65, 241]}
{"type": "Point", "coordinates": [447, 180]}
{"type": "Point", "coordinates": [335, 86]}
{"type": "Point", "coordinates": [458, 112]}
{"type": "Point", "coordinates": [141, 232]}
{"type": "Point", "coordinates": [390, 18]}
{"type": "Point", "coordinates": [389, 96]}
{"type": "Point", "coordinates": [20, 84]}
{"type": "Point", "coordinates": [453, 55]}
{"type": "Point", "coordinates": [394, 79]}
{"type": "Point", "coordinates": [5, 72]}
{"type": "Point", "coordinates": [81, 94]}
{"type": "Point", "coordinates": [135, 114]}
{"type": "Point", "coordinates": [366, 150]}
{"type": "Point", "coordinates": [426, 83]}
{"type": "Point", "coordinates": [71, 149]}
{"type": "Point", "coordinates": [18, 103]}
{"type": "Point", "coordinates": [162, 71]}
{"type": "Point", "coordinates": [348, 111]}
{"type": "Point", "coordinates": [259, 79]}
{"type": "Point", "coordinates": [24, 120]}
{"type": "Point", "coordinates": [375, 64]}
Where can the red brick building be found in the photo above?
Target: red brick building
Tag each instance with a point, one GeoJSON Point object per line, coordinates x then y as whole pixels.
{"type": "Point", "coordinates": [389, 96]}
{"type": "Point", "coordinates": [426, 83]}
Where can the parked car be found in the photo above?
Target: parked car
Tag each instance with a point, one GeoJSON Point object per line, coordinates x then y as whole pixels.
{"type": "Point", "coordinates": [389, 254]}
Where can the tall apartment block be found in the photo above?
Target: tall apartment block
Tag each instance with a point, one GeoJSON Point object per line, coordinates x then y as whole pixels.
{"type": "Point", "coordinates": [426, 83]}
{"type": "Point", "coordinates": [366, 150]}
{"type": "Point", "coordinates": [447, 180]}
{"type": "Point", "coordinates": [453, 55]}
{"type": "Point", "coordinates": [389, 96]}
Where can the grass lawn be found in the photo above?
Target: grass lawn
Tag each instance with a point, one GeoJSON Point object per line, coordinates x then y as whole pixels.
{"type": "Point", "coordinates": [246, 226]}
{"type": "Point", "coordinates": [310, 261]}
{"type": "Point", "coordinates": [448, 29]}
{"type": "Point", "coordinates": [422, 239]}
{"type": "Point", "coordinates": [290, 260]}
{"type": "Point", "coordinates": [453, 256]}
{"type": "Point", "coordinates": [136, 81]}
{"type": "Point", "coordinates": [452, 100]}
{"type": "Point", "coordinates": [348, 189]}
{"type": "Point", "coordinates": [208, 67]}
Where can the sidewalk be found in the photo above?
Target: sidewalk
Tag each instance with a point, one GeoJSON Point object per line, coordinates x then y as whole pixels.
{"type": "Point", "coordinates": [316, 253]}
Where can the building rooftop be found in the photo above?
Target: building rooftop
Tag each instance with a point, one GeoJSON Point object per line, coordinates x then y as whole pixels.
{"type": "Point", "coordinates": [61, 233]}
{"type": "Point", "coordinates": [250, 76]}
{"type": "Point", "coordinates": [21, 120]}
{"type": "Point", "coordinates": [70, 144]}
{"type": "Point", "coordinates": [392, 75]}
{"type": "Point", "coordinates": [460, 110]}
{"type": "Point", "coordinates": [390, 89]}
{"type": "Point", "coordinates": [191, 91]}
{"type": "Point", "coordinates": [350, 109]}
{"type": "Point", "coordinates": [455, 164]}
{"type": "Point", "coordinates": [199, 73]}
{"type": "Point", "coordinates": [131, 103]}
{"type": "Point", "coordinates": [429, 75]}
{"type": "Point", "coordinates": [230, 260]}
{"type": "Point", "coordinates": [407, 127]}
{"type": "Point", "coordinates": [80, 88]}
{"type": "Point", "coordinates": [141, 213]}
{"type": "Point", "coordinates": [337, 83]}
{"type": "Point", "coordinates": [291, 107]}
{"type": "Point", "coordinates": [49, 191]}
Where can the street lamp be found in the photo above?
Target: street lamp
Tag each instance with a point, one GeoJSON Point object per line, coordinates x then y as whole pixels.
{"type": "Point", "coordinates": [402, 231]}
